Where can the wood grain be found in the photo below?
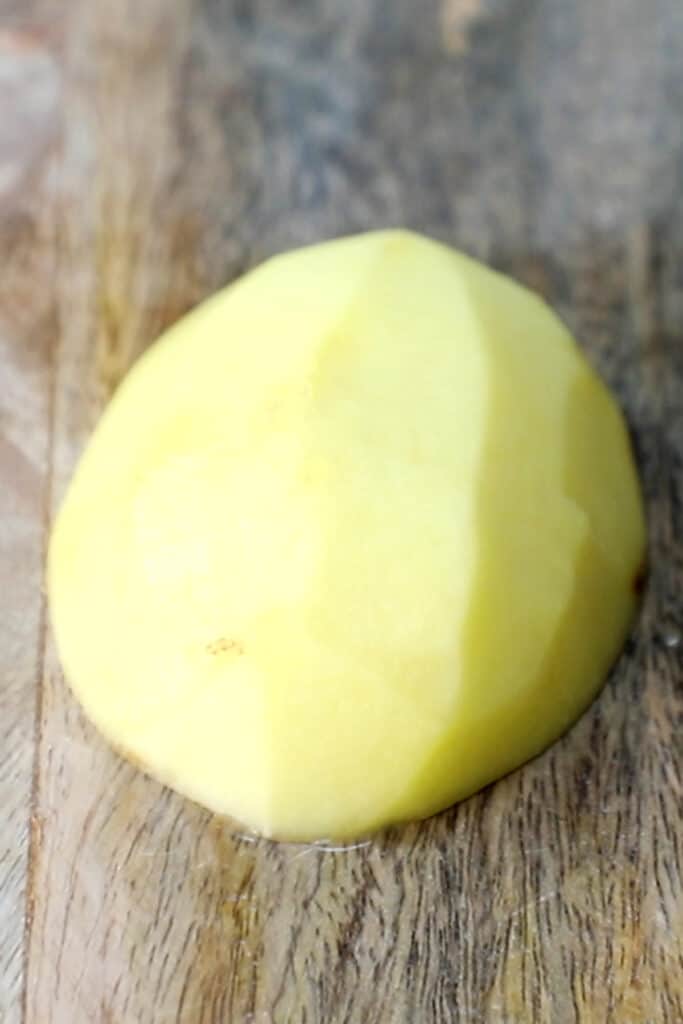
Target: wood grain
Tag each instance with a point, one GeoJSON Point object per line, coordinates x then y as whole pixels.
{"type": "Point", "coordinates": [29, 87]}
{"type": "Point", "coordinates": [172, 146]}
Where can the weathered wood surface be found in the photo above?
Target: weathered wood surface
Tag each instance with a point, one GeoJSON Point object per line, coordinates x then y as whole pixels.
{"type": "Point", "coordinates": [148, 153]}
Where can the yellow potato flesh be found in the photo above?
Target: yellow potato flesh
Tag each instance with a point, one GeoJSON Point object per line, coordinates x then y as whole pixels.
{"type": "Point", "coordinates": [355, 538]}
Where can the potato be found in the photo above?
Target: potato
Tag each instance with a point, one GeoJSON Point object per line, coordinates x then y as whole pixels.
{"type": "Point", "coordinates": [357, 537]}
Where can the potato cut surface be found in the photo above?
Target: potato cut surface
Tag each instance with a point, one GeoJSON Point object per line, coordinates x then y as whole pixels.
{"type": "Point", "coordinates": [353, 539]}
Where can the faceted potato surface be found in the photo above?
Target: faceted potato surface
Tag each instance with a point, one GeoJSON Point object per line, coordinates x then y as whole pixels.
{"type": "Point", "coordinates": [356, 537]}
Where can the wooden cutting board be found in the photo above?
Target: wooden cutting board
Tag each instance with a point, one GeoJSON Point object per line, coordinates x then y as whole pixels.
{"type": "Point", "coordinates": [149, 152]}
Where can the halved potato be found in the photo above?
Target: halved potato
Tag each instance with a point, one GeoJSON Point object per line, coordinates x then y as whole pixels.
{"type": "Point", "coordinates": [355, 538]}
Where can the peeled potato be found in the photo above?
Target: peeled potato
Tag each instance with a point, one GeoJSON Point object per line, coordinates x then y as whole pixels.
{"type": "Point", "coordinates": [358, 536]}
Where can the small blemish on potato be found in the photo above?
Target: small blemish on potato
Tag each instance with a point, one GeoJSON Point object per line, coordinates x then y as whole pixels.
{"type": "Point", "coordinates": [223, 645]}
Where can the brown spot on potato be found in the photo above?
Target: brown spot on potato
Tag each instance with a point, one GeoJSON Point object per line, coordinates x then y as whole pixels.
{"type": "Point", "coordinates": [224, 645]}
